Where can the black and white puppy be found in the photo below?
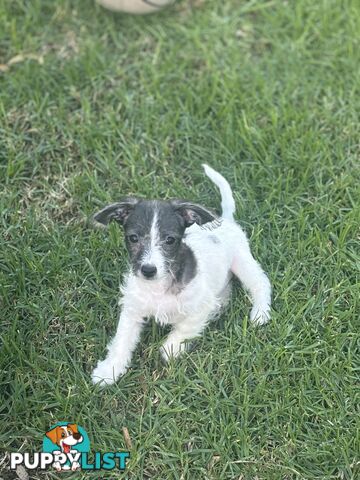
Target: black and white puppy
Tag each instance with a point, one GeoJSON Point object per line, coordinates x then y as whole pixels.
{"type": "Point", "coordinates": [182, 259]}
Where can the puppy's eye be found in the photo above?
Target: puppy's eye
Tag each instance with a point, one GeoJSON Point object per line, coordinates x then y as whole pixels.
{"type": "Point", "coordinates": [63, 435]}
{"type": "Point", "coordinates": [133, 238]}
{"type": "Point", "coordinates": [170, 240]}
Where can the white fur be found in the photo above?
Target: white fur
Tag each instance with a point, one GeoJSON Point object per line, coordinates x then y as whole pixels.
{"type": "Point", "coordinates": [220, 249]}
{"type": "Point", "coordinates": [153, 256]}
{"type": "Point", "coordinates": [227, 199]}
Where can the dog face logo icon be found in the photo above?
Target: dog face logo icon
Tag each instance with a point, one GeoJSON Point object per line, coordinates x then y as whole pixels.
{"type": "Point", "coordinates": [65, 436]}
{"type": "Point", "coordinates": [66, 441]}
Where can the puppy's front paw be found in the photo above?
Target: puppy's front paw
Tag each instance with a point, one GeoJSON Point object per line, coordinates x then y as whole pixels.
{"type": "Point", "coordinates": [106, 373]}
{"type": "Point", "coordinates": [172, 349]}
{"type": "Point", "coordinates": [260, 314]}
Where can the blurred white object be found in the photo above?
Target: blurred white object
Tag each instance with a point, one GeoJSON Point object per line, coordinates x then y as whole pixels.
{"type": "Point", "coordinates": [135, 6]}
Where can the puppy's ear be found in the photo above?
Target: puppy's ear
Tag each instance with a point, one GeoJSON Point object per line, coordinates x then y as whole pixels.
{"type": "Point", "coordinates": [53, 435]}
{"type": "Point", "coordinates": [116, 211]}
{"type": "Point", "coordinates": [192, 213]}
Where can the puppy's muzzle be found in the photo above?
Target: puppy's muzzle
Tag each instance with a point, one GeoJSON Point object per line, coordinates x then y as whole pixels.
{"type": "Point", "coordinates": [149, 271]}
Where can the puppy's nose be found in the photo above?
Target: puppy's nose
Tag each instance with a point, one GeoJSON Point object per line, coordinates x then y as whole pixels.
{"type": "Point", "coordinates": [148, 271]}
{"type": "Point", "coordinates": [77, 435]}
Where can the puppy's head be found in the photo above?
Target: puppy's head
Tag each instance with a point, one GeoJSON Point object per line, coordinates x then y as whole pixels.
{"type": "Point", "coordinates": [154, 230]}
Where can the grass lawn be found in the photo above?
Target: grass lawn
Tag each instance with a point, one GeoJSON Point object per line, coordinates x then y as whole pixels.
{"type": "Point", "coordinates": [95, 105]}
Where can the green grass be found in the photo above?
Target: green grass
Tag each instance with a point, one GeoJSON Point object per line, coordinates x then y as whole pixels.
{"type": "Point", "coordinates": [101, 105]}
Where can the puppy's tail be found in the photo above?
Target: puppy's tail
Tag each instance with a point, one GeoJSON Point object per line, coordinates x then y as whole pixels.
{"type": "Point", "coordinates": [227, 199]}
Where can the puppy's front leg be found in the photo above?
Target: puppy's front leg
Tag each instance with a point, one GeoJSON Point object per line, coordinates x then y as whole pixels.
{"type": "Point", "coordinates": [120, 349]}
{"type": "Point", "coordinates": [188, 328]}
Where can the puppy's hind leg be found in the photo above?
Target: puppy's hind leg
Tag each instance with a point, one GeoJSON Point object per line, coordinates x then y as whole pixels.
{"type": "Point", "coordinates": [254, 279]}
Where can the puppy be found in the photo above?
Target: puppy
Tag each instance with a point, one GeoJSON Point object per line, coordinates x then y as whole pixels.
{"type": "Point", "coordinates": [65, 437]}
{"type": "Point", "coordinates": [182, 259]}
